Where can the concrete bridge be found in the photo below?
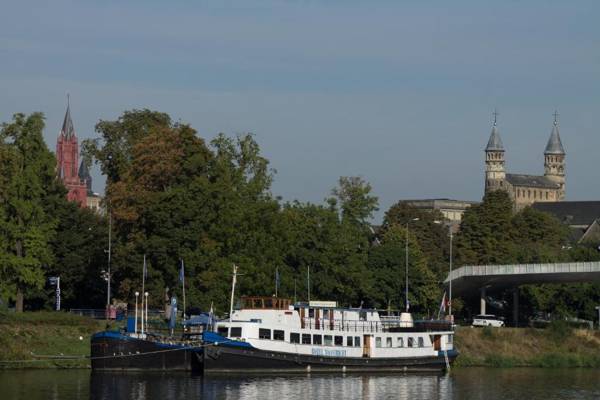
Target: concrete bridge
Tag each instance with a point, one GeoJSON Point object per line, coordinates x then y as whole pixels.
{"type": "Point", "coordinates": [477, 279]}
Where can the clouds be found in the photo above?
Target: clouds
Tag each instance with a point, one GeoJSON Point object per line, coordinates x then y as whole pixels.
{"type": "Point", "coordinates": [398, 93]}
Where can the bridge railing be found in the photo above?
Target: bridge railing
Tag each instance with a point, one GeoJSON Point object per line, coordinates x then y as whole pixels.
{"type": "Point", "coordinates": [520, 269]}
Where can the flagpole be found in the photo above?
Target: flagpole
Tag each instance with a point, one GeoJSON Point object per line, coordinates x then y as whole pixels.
{"type": "Point", "coordinates": [183, 284]}
{"type": "Point", "coordinates": [276, 280]}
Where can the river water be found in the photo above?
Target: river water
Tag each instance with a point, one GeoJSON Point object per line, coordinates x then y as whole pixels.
{"type": "Point", "coordinates": [466, 383]}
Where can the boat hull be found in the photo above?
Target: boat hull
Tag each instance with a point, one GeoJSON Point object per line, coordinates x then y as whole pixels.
{"type": "Point", "coordinates": [114, 351]}
{"type": "Point", "coordinates": [222, 359]}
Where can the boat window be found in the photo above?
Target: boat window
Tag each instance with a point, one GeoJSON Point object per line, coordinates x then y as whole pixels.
{"type": "Point", "coordinates": [339, 340]}
{"type": "Point", "coordinates": [223, 330]}
{"type": "Point", "coordinates": [264, 333]}
{"type": "Point", "coordinates": [328, 340]}
{"type": "Point", "coordinates": [362, 316]}
{"type": "Point", "coordinates": [388, 342]}
{"type": "Point", "coordinates": [377, 342]}
{"type": "Point", "coordinates": [411, 342]}
{"type": "Point", "coordinates": [317, 339]}
{"type": "Point", "coordinates": [311, 313]}
{"type": "Point", "coordinates": [294, 338]}
{"type": "Point", "coordinates": [450, 338]}
{"type": "Point", "coordinates": [305, 338]}
{"type": "Point", "coordinates": [278, 335]}
{"type": "Point", "coordinates": [268, 303]}
{"type": "Point", "coordinates": [236, 331]}
{"type": "Point", "coordinates": [258, 303]}
{"type": "Point", "coordinates": [349, 341]}
{"type": "Point", "coordinates": [400, 342]}
{"type": "Point", "coordinates": [356, 341]}
{"type": "Point", "coordinates": [421, 342]}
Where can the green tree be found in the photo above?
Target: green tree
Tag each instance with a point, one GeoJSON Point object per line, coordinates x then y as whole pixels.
{"type": "Point", "coordinates": [29, 191]}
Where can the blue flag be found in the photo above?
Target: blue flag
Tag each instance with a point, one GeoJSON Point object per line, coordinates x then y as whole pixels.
{"type": "Point", "coordinates": [181, 272]}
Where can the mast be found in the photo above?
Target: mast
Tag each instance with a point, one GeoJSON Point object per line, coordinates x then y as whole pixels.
{"type": "Point", "coordinates": [233, 282]}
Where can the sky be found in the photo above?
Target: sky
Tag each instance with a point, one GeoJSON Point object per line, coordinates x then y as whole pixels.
{"type": "Point", "coordinates": [400, 93]}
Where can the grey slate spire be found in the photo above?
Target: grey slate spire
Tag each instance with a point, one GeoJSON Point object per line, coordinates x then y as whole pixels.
{"type": "Point", "coordinates": [68, 131]}
{"type": "Point", "coordinates": [84, 175]}
{"type": "Point", "coordinates": [554, 145]}
{"type": "Point", "coordinates": [495, 143]}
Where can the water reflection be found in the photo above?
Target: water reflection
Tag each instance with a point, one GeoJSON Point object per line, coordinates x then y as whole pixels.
{"type": "Point", "coordinates": [472, 383]}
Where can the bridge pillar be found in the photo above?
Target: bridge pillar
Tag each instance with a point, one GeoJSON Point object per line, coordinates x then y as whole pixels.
{"type": "Point", "coordinates": [515, 313]}
{"type": "Point", "coordinates": [482, 301]}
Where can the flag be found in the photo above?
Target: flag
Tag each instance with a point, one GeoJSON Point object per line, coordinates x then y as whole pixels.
{"type": "Point", "coordinates": [181, 272]}
{"type": "Point", "coordinates": [442, 309]}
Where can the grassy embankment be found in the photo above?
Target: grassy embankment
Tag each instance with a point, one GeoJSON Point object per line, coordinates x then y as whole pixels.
{"type": "Point", "coordinates": [555, 347]}
{"type": "Point", "coordinates": [45, 333]}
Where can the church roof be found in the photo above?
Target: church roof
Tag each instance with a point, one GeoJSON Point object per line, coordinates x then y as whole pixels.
{"type": "Point", "coordinates": [495, 143]}
{"type": "Point", "coordinates": [554, 145]}
{"type": "Point", "coordinates": [531, 181]}
{"type": "Point", "coordinates": [68, 131]}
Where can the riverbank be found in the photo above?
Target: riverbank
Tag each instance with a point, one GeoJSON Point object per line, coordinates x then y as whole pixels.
{"type": "Point", "coordinates": [23, 336]}
{"type": "Point", "coordinates": [26, 335]}
{"type": "Point", "coordinates": [555, 347]}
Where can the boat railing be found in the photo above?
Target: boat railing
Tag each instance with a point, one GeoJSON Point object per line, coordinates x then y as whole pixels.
{"type": "Point", "coordinates": [384, 325]}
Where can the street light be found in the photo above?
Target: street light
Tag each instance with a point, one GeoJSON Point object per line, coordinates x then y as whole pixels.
{"type": "Point", "coordinates": [406, 254]}
{"type": "Point", "coordinates": [451, 233]}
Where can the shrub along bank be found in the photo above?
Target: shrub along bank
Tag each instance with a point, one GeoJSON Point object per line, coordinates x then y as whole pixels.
{"type": "Point", "coordinates": [558, 346]}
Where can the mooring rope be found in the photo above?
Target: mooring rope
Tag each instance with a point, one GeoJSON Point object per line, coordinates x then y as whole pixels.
{"type": "Point", "coordinates": [47, 358]}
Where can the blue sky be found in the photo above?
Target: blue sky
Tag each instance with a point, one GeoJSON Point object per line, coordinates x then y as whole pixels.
{"type": "Point", "coordinates": [400, 93]}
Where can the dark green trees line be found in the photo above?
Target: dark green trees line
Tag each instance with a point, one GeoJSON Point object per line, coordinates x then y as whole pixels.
{"type": "Point", "coordinates": [172, 195]}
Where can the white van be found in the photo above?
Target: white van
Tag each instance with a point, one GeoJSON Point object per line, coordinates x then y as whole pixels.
{"type": "Point", "coordinates": [488, 320]}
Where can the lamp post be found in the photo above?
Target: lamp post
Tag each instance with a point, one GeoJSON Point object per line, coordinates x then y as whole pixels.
{"type": "Point", "coordinates": [406, 272]}
{"type": "Point", "coordinates": [136, 309]}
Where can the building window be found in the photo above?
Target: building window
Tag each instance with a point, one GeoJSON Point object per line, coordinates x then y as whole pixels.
{"type": "Point", "coordinates": [388, 342]}
{"type": "Point", "coordinates": [411, 342]}
{"type": "Point", "coordinates": [547, 195]}
{"type": "Point", "coordinates": [317, 339]}
{"type": "Point", "coordinates": [236, 331]}
{"type": "Point", "coordinates": [305, 338]}
{"type": "Point", "coordinates": [349, 341]}
{"type": "Point", "coordinates": [356, 341]}
{"type": "Point", "coordinates": [264, 333]}
{"type": "Point", "coordinates": [450, 339]}
{"type": "Point", "coordinates": [339, 340]}
{"type": "Point", "coordinates": [311, 313]}
{"type": "Point", "coordinates": [528, 193]}
{"type": "Point", "coordinates": [328, 340]}
{"type": "Point", "coordinates": [278, 335]}
{"type": "Point", "coordinates": [294, 338]}
{"type": "Point", "coordinates": [400, 342]}
{"type": "Point", "coordinates": [377, 342]}
{"type": "Point", "coordinates": [421, 342]}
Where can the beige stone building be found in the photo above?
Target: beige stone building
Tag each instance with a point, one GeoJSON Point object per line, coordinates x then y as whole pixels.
{"type": "Point", "coordinates": [527, 189]}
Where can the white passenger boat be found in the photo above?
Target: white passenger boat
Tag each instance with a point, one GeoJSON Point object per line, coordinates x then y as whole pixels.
{"type": "Point", "coordinates": [271, 334]}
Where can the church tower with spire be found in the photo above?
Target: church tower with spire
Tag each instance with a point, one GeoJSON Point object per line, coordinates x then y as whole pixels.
{"type": "Point", "coordinates": [495, 172]}
{"type": "Point", "coordinates": [554, 159]}
{"type": "Point", "coordinates": [67, 155]}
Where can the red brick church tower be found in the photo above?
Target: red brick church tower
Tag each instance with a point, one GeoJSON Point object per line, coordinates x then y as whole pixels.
{"type": "Point", "coordinates": [67, 155]}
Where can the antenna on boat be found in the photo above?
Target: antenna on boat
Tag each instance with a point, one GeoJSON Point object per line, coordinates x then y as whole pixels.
{"type": "Point", "coordinates": [233, 282]}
